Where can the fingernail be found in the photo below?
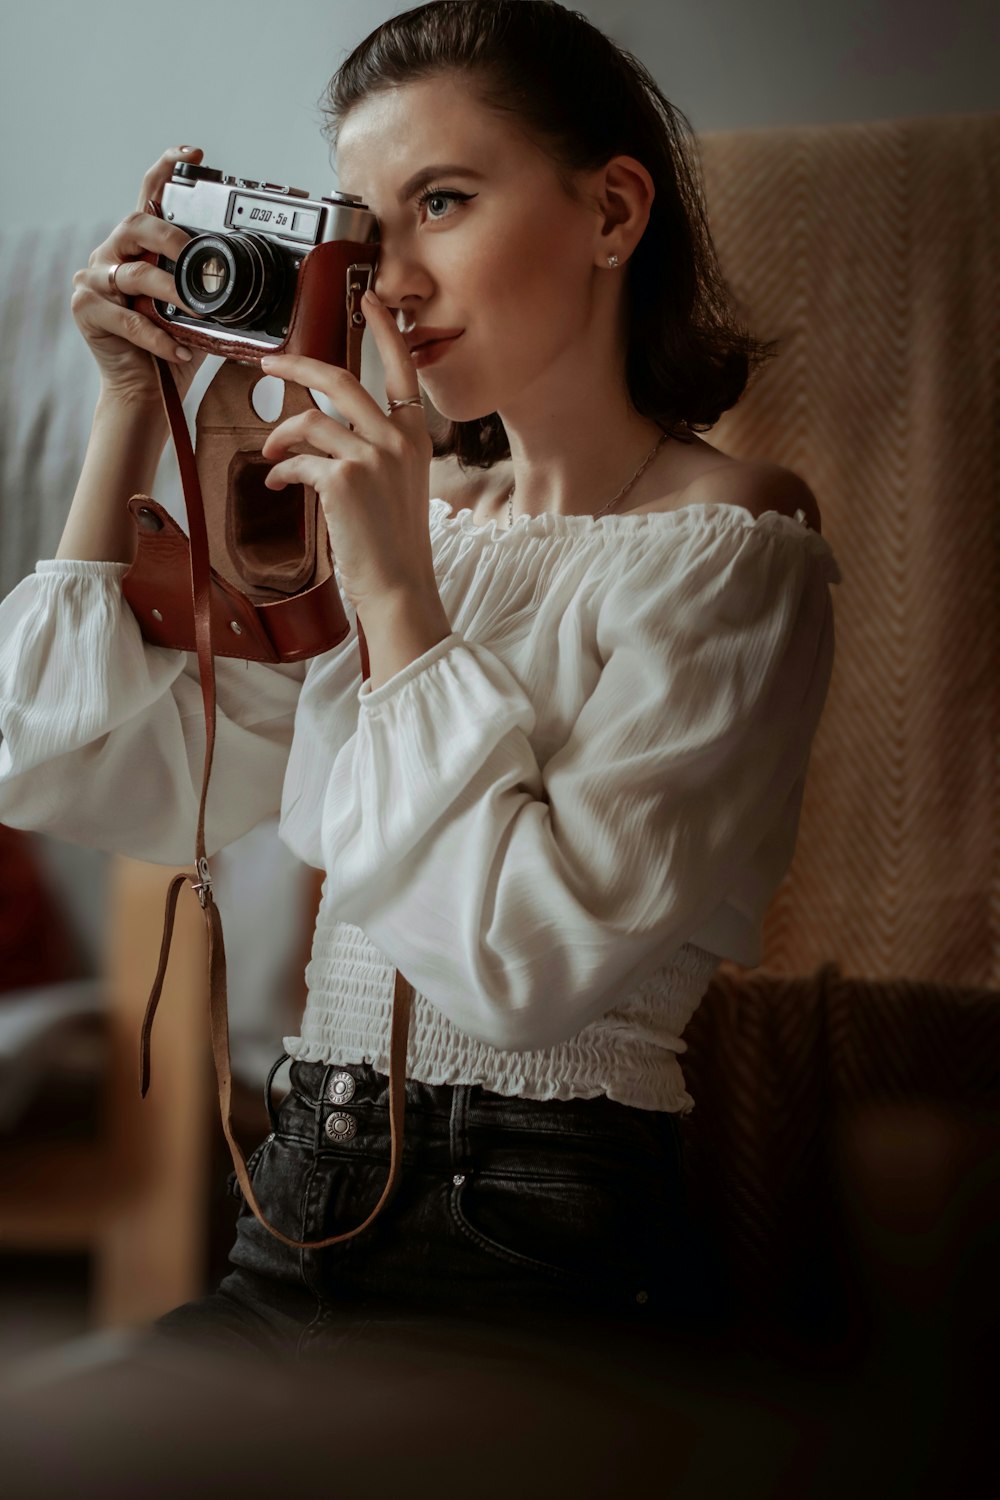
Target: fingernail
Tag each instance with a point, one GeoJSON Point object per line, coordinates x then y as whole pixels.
{"type": "Point", "coordinates": [183, 353]}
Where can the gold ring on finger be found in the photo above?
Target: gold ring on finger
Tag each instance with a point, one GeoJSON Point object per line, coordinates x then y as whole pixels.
{"type": "Point", "coordinates": [113, 286]}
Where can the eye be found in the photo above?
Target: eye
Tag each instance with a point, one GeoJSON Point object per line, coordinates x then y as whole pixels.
{"type": "Point", "coordinates": [446, 195]}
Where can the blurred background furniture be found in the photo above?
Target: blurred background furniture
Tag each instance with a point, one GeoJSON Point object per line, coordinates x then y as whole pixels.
{"type": "Point", "coordinates": [87, 1165]}
{"type": "Point", "coordinates": [843, 1160]}
{"type": "Point", "coordinates": [871, 251]}
{"type": "Point", "coordinates": [127, 1183]}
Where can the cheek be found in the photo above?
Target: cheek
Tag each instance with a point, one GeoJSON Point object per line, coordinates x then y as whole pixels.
{"type": "Point", "coordinates": [523, 259]}
{"type": "Point", "coordinates": [523, 294]}
{"type": "Point", "coordinates": [531, 290]}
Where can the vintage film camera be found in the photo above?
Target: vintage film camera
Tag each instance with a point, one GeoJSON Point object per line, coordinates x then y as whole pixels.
{"type": "Point", "coordinates": [263, 260]}
{"type": "Point", "coordinates": [268, 269]}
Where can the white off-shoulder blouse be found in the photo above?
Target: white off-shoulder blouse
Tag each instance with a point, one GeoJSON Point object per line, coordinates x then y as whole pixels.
{"type": "Point", "coordinates": [555, 822]}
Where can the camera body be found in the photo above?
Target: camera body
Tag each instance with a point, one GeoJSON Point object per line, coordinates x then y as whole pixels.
{"type": "Point", "coordinates": [268, 269]}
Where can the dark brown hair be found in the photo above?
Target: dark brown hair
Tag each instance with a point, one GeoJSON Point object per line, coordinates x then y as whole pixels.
{"type": "Point", "coordinates": [583, 99]}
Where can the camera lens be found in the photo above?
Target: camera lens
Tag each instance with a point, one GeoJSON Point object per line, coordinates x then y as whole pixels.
{"type": "Point", "coordinates": [208, 275]}
{"type": "Point", "coordinates": [233, 278]}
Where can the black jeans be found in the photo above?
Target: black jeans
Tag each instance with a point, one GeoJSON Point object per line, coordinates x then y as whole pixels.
{"type": "Point", "coordinates": [523, 1212]}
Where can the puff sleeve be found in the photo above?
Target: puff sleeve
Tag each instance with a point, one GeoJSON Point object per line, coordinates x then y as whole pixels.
{"type": "Point", "coordinates": [104, 734]}
{"type": "Point", "coordinates": [523, 899]}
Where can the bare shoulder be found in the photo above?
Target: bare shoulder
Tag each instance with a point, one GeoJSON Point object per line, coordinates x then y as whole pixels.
{"type": "Point", "coordinates": [756, 485]}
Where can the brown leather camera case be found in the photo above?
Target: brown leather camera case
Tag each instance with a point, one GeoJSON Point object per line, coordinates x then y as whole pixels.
{"type": "Point", "coordinates": [274, 594]}
{"type": "Point", "coordinates": [269, 595]}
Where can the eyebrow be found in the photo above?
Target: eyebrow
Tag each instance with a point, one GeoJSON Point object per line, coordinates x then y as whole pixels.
{"type": "Point", "coordinates": [428, 174]}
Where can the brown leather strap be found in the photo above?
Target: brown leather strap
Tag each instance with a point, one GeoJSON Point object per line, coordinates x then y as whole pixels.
{"type": "Point", "coordinates": [173, 890]}
{"type": "Point", "coordinates": [202, 886]}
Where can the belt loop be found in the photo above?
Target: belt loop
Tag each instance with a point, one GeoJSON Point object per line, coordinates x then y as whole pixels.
{"type": "Point", "coordinates": [322, 1100]}
{"type": "Point", "coordinates": [271, 1114]}
{"type": "Point", "coordinates": [458, 1129]}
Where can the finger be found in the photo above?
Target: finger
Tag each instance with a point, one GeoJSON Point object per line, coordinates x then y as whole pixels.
{"type": "Point", "coordinates": [141, 231]}
{"type": "Point", "coordinates": [316, 430]}
{"type": "Point", "coordinates": [347, 393]}
{"type": "Point", "coordinates": [137, 234]}
{"type": "Point", "coordinates": [305, 468]}
{"type": "Point", "coordinates": [400, 372]}
{"type": "Point", "coordinates": [161, 172]}
{"type": "Point", "coordinates": [134, 278]}
{"type": "Point", "coordinates": [125, 323]}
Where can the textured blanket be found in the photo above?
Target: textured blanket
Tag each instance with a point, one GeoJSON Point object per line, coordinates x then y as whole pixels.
{"type": "Point", "coordinates": [872, 251]}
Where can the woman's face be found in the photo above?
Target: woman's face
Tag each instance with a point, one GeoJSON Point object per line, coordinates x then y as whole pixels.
{"type": "Point", "coordinates": [512, 265]}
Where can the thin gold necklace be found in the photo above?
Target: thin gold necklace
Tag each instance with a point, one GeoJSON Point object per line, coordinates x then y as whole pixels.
{"type": "Point", "coordinates": [605, 508]}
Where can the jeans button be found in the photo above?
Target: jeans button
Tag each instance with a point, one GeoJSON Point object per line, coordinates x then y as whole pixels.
{"type": "Point", "coordinates": [340, 1127]}
{"type": "Point", "coordinates": [340, 1089]}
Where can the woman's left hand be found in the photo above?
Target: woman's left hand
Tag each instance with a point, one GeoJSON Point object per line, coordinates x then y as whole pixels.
{"type": "Point", "coordinates": [373, 482]}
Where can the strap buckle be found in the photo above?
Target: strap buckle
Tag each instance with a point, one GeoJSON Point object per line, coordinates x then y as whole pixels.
{"type": "Point", "coordinates": [359, 279]}
{"type": "Point", "coordinates": [204, 887]}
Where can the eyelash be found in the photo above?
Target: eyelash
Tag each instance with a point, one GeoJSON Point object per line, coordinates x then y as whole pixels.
{"type": "Point", "coordinates": [432, 192]}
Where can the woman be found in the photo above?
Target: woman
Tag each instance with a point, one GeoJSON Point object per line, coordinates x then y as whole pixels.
{"type": "Point", "coordinates": [599, 651]}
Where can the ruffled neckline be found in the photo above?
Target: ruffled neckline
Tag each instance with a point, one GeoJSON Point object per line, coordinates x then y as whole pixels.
{"type": "Point", "coordinates": [551, 525]}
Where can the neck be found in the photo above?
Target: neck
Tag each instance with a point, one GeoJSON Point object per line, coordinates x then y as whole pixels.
{"type": "Point", "coordinates": [574, 441]}
{"type": "Point", "coordinates": [620, 495]}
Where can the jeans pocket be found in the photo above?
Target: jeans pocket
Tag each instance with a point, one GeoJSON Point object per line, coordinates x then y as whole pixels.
{"type": "Point", "coordinates": [604, 1232]}
{"type": "Point", "coordinates": [281, 1169]}
{"type": "Point", "coordinates": [253, 1161]}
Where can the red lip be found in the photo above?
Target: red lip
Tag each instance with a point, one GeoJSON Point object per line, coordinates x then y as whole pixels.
{"type": "Point", "coordinates": [418, 336]}
{"type": "Point", "coordinates": [427, 354]}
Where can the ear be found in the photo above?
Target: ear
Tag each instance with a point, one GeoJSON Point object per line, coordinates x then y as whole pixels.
{"type": "Point", "coordinates": [624, 193]}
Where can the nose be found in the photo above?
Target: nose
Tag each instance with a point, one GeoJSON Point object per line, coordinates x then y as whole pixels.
{"type": "Point", "coordinates": [399, 288]}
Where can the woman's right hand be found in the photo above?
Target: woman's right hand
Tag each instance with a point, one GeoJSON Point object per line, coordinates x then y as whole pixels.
{"type": "Point", "coordinates": [120, 338]}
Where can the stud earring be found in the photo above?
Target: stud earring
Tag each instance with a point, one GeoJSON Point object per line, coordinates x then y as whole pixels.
{"type": "Point", "coordinates": [612, 261]}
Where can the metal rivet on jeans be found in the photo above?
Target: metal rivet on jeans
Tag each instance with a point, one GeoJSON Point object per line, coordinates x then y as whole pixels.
{"type": "Point", "coordinates": [642, 1296]}
{"type": "Point", "coordinates": [340, 1089]}
{"type": "Point", "coordinates": [340, 1127]}
{"type": "Point", "coordinates": [458, 1179]}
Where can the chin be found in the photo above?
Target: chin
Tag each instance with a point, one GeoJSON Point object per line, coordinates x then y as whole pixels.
{"type": "Point", "coordinates": [457, 411]}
